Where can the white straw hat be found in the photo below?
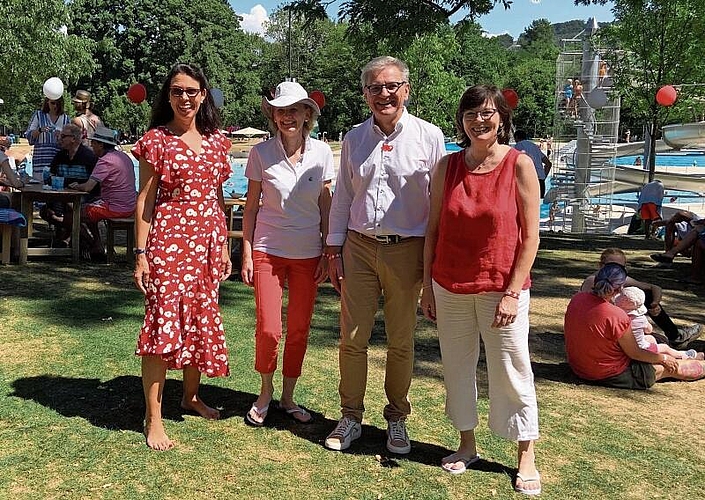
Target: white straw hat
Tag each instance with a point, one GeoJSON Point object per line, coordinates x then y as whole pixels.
{"type": "Point", "coordinates": [288, 94]}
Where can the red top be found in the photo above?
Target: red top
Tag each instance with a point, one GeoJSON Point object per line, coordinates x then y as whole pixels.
{"type": "Point", "coordinates": [592, 330]}
{"type": "Point", "coordinates": [478, 234]}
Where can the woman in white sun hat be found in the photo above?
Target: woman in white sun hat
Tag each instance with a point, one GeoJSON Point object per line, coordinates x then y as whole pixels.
{"type": "Point", "coordinates": [285, 226]}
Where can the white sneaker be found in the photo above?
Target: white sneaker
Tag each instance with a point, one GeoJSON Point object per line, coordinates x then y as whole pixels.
{"type": "Point", "coordinates": [347, 431]}
{"type": "Point", "coordinates": [397, 437]}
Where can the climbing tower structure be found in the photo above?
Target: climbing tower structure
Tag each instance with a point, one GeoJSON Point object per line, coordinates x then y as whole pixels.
{"type": "Point", "coordinates": [585, 134]}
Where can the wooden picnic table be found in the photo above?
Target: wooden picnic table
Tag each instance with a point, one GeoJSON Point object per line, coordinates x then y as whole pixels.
{"type": "Point", "coordinates": [38, 192]}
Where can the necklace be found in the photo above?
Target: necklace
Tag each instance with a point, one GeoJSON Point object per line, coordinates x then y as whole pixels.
{"type": "Point", "coordinates": [297, 154]}
{"type": "Point", "coordinates": [478, 165]}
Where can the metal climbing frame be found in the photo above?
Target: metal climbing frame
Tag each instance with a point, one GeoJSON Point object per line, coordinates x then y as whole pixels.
{"type": "Point", "coordinates": [585, 133]}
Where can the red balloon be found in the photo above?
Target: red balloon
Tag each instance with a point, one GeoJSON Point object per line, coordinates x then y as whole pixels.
{"type": "Point", "coordinates": [511, 96]}
{"type": "Point", "coordinates": [318, 97]}
{"type": "Point", "coordinates": [137, 93]}
{"type": "Point", "coordinates": [666, 95]}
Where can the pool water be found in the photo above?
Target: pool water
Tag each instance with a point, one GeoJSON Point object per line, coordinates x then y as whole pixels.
{"type": "Point", "coordinates": [687, 158]}
{"type": "Point", "coordinates": [237, 183]}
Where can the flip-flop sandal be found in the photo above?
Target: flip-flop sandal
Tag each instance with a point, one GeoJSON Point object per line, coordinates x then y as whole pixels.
{"type": "Point", "coordinates": [292, 412]}
{"type": "Point", "coordinates": [524, 480]}
{"type": "Point", "coordinates": [260, 412]}
{"type": "Point", "coordinates": [467, 462]}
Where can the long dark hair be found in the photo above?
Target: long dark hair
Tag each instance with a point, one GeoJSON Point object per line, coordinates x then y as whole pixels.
{"type": "Point", "coordinates": [59, 105]}
{"type": "Point", "coordinates": [207, 118]}
{"type": "Point", "coordinates": [477, 96]}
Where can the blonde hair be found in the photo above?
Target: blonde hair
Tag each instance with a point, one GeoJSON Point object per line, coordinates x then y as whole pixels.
{"type": "Point", "coordinates": [308, 126]}
{"type": "Point", "coordinates": [608, 252]}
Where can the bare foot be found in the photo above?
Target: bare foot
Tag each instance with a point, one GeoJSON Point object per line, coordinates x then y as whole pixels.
{"type": "Point", "coordinates": [156, 436]}
{"type": "Point", "coordinates": [197, 405]}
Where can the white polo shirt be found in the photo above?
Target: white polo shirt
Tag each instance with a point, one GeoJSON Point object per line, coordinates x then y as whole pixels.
{"type": "Point", "coordinates": [289, 220]}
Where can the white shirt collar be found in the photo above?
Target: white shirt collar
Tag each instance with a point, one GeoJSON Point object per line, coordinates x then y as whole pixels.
{"type": "Point", "coordinates": [398, 126]}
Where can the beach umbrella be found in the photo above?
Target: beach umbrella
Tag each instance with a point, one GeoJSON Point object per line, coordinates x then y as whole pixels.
{"type": "Point", "coordinates": [250, 132]}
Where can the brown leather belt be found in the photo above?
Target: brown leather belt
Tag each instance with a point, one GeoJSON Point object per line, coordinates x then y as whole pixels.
{"type": "Point", "coordinates": [385, 239]}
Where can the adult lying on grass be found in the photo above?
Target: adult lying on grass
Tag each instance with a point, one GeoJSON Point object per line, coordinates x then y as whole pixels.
{"type": "Point", "coordinates": [601, 346]}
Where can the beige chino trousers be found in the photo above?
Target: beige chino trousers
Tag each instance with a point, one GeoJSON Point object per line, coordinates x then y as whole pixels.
{"type": "Point", "coordinates": [372, 269]}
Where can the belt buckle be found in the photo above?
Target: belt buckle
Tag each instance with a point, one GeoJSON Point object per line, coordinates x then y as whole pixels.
{"type": "Point", "coordinates": [388, 239]}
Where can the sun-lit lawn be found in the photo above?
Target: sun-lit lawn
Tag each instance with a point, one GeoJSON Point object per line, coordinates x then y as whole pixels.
{"type": "Point", "coordinates": [71, 403]}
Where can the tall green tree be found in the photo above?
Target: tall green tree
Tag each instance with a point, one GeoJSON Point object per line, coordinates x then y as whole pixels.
{"type": "Point", "coordinates": [35, 47]}
{"type": "Point", "coordinates": [139, 40]}
{"type": "Point", "coordinates": [435, 90]}
{"type": "Point", "coordinates": [400, 21]}
{"type": "Point", "coordinates": [397, 21]}
{"type": "Point", "coordinates": [532, 74]}
{"type": "Point", "coordinates": [322, 58]}
{"type": "Point", "coordinates": [479, 59]}
{"type": "Point", "coordinates": [655, 42]}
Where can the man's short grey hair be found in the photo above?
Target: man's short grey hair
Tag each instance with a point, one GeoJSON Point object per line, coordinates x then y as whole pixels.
{"type": "Point", "coordinates": [379, 63]}
{"type": "Point", "coordinates": [74, 130]}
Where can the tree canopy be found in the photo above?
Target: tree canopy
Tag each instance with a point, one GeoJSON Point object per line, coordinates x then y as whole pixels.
{"type": "Point", "coordinates": [36, 46]}
{"type": "Point", "coordinates": [656, 43]}
{"type": "Point", "coordinates": [107, 45]}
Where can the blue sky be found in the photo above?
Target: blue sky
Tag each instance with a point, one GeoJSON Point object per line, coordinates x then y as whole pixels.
{"type": "Point", "coordinates": [513, 21]}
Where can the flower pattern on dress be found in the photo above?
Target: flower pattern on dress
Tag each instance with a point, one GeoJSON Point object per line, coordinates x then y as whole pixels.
{"type": "Point", "coordinates": [182, 320]}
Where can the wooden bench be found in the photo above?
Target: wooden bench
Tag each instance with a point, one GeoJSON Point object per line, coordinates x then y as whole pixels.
{"type": "Point", "coordinates": [6, 232]}
{"type": "Point", "coordinates": [125, 224]}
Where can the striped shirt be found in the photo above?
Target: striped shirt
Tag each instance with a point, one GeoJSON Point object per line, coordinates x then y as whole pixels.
{"type": "Point", "coordinates": [45, 146]}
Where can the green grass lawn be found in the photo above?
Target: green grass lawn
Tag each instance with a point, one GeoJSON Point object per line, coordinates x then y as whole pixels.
{"type": "Point", "coordinates": [71, 404]}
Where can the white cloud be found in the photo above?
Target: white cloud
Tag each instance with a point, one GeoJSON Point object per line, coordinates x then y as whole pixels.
{"type": "Point", "coordinates": [253, 21]}
{"type": "Point", "coordinates": [493, 35]}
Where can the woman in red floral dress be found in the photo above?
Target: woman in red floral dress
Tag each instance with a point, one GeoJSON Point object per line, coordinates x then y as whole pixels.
{"type": "Point", "coordinates": [181, 239]}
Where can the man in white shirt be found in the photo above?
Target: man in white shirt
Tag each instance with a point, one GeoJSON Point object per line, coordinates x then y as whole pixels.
{"type": "Point", "coordinates": [375, 245]}
{"type": "Point", "coordinates": [541, 162]}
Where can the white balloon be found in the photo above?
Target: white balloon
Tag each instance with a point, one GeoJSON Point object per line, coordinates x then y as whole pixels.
{"type": "Point", "coordinates": [596, 98]}
{"type": "Point", "coordinates": [218, 98]}
{"type": "Point", "coordinates": [53, 88]}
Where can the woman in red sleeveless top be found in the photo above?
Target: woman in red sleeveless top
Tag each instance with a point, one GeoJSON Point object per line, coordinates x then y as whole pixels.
{"type": "Point", "coordinates": [480, 245]}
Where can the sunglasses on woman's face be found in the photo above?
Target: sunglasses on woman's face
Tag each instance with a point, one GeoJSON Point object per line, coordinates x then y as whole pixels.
{"type": "Point", "coordinates": [178, 92]}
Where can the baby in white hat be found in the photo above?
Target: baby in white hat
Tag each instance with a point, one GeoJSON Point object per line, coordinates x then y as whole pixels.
{"type": "Point", "coordinates": [631, 301]}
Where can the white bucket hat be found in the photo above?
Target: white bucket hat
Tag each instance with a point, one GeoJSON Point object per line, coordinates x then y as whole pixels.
{"type": "Point", "coordinates": [287, 94]}
{"type": "Point", "coordinates": [105, 135]}
{"type": "Point", "coordinates": [631, 300]}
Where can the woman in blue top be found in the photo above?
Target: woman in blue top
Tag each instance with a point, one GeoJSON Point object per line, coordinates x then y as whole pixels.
{"type": "Point", "coordinates": [42, 133]}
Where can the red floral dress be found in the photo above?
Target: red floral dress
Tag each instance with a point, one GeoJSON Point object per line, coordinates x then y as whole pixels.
{"type": "Point", "coordinates": [182, 319]}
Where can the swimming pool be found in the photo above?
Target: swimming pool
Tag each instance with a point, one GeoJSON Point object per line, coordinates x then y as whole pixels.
{"type": "Point", "coordinates": [237, 183]}
{"type": "Point", "coordinates": [688, 158]}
